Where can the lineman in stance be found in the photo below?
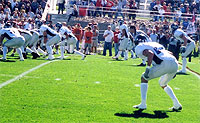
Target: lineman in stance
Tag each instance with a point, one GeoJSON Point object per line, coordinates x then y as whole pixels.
{"type": "Point", "coordinates": [187, 47]}
{"type": "Point", "coordinates": [29, 40]}
{"type": "Point", "coordinates": [164, 65]}
{"type": "Point", "coordinates": [51, 37]}
{"type": "Point", "coordinates": [71, 42]}
{"type": "Point", "coordinates": [14, 40]}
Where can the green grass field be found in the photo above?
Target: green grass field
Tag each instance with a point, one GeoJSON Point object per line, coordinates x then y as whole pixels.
{"type": "Point", "coordinates": [97, 89]}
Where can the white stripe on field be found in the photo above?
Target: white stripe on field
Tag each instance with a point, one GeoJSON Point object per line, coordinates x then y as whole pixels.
{"type": "Point", "coordinates": [23, 74]}
{"type": "Point", "coordinates": [190, 71]}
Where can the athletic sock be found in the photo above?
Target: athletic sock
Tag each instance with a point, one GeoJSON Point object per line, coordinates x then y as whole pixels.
{"type": "Point", "coordinates": [118, 54]}
{"type": "Point", "coordinates": [4, 52]}
{"type": "Point", "coordinates": [62, 50]}
{"type": "Point", "coordinates": [41, 51]}
{"type": "Point", "coordinates": [171, 94]}
{"type": "Point", "coordinates": [143, 89]}
{"type": "Point", "coordinates": [78, 53]}
{"type": "Point", "coordinates": [184, 63]}
{"type": "Point", "coordinates": [143, 61]}
{"type": "Point", "coordinates": [19, 51]}
{"type": "Point", "coordinates": [28, 50]}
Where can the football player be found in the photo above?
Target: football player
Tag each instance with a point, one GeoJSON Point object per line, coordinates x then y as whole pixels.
{"type": "Point", "coordinates": [51, 37]}
{"type": "Point", "coordinates": [71, 42]}
{"type": "Point", "coordinates": [13, 40]}
{"type": "Point", "coordinates": [124, 39]}
{"type": "Point", "coordinates": [164, 65]}
{"type": "Point", "coordinates": [29, 40]}
{"type": "Point", "coordinates": [187, 46]}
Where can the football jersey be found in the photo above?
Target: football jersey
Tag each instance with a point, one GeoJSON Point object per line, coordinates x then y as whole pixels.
{"type": "Point", "coordinates": [64, 30]}
{"type": "Point", "coordinates": [10, 33]}
{"type": "Point", "coordinates": [49, 31]}
{"type": "Point", "coordinates": [25, 31]}
{"type": "Point", "coordinates": [159, 51]}
{"type": "Point", "coordinates": [178, 33]}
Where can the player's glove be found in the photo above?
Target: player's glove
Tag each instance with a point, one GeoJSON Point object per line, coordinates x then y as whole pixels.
{"type": "Point", "coordinates": [146, 73]}
{"type": "Point", "coordinates": [182, 49]}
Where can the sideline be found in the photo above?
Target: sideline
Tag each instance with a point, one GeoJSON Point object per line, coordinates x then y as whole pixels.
{"type": "Point", "coordinates": [23, 74]}
{"type": "Point", "coordinates": [191, 71]}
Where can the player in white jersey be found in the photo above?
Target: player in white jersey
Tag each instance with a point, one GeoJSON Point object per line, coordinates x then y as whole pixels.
{"type": "Point", "coordinates": [187, 46]}
{"type": "Point", "coordinates": [164, 65]}
{"type": "Point", "coordinates": [51, 37]}
{"type": "Point", "coordinates": [14, 40]}
{"type": "Point", "coordinates": [30, 38]}
{"type": "Point", "coordinates": [139, 38]}
{"type": "Point", "coordinates": [124, 39]}
{"type": "Point", "coordinates": [71, 42]}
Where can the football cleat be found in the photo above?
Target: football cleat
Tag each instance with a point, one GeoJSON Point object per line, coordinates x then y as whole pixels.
{"type": "Point", "coordinates": [140, 106]}
{"type": "Point", "coordinates": [35, 55]}
{"type": "Point", "coordinates": [176, 108]}
{"type": "Point", "coordinates": [115, 58]}
{"type": "Point", "coordinates": [83, 57]}
{"type": "Point", "coordinates": [141, 64]}
{"type": "Point", "coordinates": [181, 72]}
{"type": "Point", "coordinates": [24, 55]}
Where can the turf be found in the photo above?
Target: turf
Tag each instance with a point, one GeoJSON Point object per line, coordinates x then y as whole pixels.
{"type": "Point", "coordinates": [97, 89]}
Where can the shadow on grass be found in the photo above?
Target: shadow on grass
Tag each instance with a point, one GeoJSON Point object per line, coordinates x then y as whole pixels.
{"type": "Point", "coordinates": [7, 60]}
{"type": "Point", "coordinates": [182, 74]}
{"type": "Point", "coordinates": [159, 114]}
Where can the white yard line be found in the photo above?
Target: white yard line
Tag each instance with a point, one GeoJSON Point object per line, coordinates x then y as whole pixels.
{"type": "Point", "coordinates": [191, 72]}
{"type": "Point", "coordinates": [23, 74]}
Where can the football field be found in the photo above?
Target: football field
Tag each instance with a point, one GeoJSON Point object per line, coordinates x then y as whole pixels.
{"type": "Point", "coordinates": [97, 89]}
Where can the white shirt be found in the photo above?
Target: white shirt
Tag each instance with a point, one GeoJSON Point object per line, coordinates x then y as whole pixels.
{"type": "Point", "coordinates": [161, 11]}
{"type": "Point", "coordinates": [156, 48]}
{"type": "Point", "coordinates": [109, 37]}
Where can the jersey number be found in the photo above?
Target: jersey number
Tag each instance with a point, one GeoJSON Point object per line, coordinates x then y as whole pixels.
{"type": "Point", "coordinates": [157, 49]}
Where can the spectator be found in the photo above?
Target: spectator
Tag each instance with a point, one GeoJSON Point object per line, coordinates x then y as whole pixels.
{"type": "Point", "coordinates": [15, 15]}
{"type": "Point", "coordinates": [177, 16]}
{"type": "Point", "coordinates": [74, 12]}
{"type": "Point", "coordinates": [28, 25]}
{"type": "Point", "coordinates": [1, 8]}
{"type": "Point", "coordinates": [88, 39]}
{"type": "Point", "coordinates": [77, 31]}
{"type": "Point", "coordinates": [108, 35]}
{"type": "Point", "coordinates": [132, 7]}
{"type": "Point", "coordinates": [161, 12]}
{"type": "Point", "coordinates": [91, 11]}
{"type": "Point", "coordinates": [43, 4]}
{"type": "Point", "coordinates": [39, 10]}
{"type": "Point", "coordinates": [34, 6]}
{"type": "Point", "coordinates": [95, 39]}
{"type": "Point", "coordinates": [116, 40]}
{"type": "Point", "coordinates": [13, 4]}
{"type": "Point", "coordinates": [2, 15]}
{"type": "Point", "coordinates": [7, 9]}
{"type": "Point", "coordinates": [164, 39]}
{"type": "Point", "coordinates": [60, 6]}
{"type": "Point", "coordinates": [185, 24]}
{"type": "Point", "coordinates": [99, 6]}
{"type": "Point", "coordinates": [154, 36]}
{"type": "Point", "coordinates": [109, 5]}
{"type": "Point", "coordinates": [119, 9]}
{"type": "Point", "coordinates": [31, 14]}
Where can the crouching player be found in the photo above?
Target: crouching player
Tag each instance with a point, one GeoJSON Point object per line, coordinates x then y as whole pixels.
{"type": "Point", "coordinates": [187, 47]}
{"type": "Point", "coordinates": [71, 42]}
{"type": "Point", "coordinates": [164, 65]}
{"type": "Point", "coordinates": [51, 37]}
{"type": "Point", "coordinates": [14, 40]}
